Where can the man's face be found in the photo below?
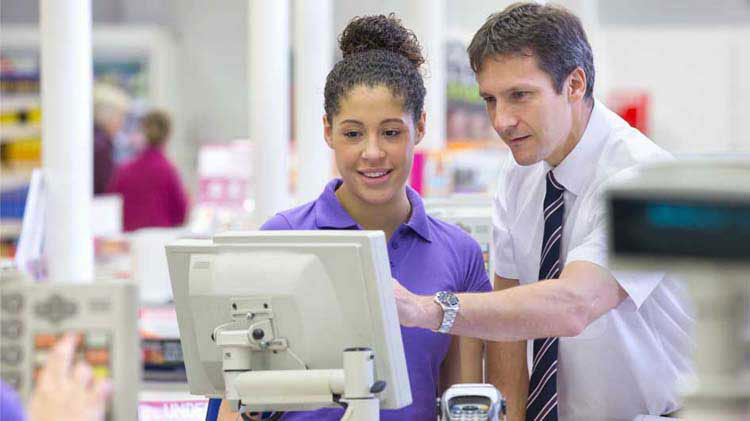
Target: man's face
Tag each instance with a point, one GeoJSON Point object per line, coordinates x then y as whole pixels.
{"type": "Point", "coordinates": [530, 117]}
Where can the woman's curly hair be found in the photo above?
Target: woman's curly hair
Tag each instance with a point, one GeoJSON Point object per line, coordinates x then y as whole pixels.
{"type": "Point", "coordinates": [377, 50]}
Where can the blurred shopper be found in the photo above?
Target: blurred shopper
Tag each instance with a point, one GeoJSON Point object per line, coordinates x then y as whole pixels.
{"type": "Point", "coordinates": [110, 106]}
{"type": "Point", "coordinates": [151, 190]}
{"type": "Point", "coordinates": [66, 390]}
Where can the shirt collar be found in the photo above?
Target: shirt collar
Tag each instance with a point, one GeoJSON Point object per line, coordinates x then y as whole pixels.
{"type": "Point", "coordinates": [328, 210]}
{"type": "Point", "coordinates": [330, 214]}
{"type": "Point", "coordinates": [575, 170]}
{"type": "Point", "coordinates": [418, 220]}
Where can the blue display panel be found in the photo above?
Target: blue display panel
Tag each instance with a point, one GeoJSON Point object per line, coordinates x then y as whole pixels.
{"type": "Point", "coordinates": [681, 228]}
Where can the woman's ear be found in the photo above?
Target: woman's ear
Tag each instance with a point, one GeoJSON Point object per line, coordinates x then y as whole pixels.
{"type": "Point", "coordinates": [327, 131]}
{"type": "Point", "coordinates": [419, 130]}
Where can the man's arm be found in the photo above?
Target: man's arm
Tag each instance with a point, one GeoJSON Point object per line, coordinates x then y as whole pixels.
{"type": "Point", "coordinates": [463, 364]}
{"type": "Point", "coordinates": [507, 368]}
{"type": "Point", "coordinates": [553, 307]}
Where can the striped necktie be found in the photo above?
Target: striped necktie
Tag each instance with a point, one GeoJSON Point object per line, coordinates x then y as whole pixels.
{"type": "Point", "coordinates": [542, 400]}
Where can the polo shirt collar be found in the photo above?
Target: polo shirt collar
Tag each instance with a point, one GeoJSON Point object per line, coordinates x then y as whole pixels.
{"type": "Point", "coordinates": [576, 170]}
{"type": "Point", "coordinates": [329, 214]}
{"type": "Point", "coordinates": [418, 221]}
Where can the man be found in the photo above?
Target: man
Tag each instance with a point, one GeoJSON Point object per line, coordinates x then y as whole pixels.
{"type": "Point", "coordinates": [607, 345]}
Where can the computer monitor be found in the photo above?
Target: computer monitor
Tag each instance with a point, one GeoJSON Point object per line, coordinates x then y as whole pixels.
{"type": "Point", "coordinates": [326, 291]}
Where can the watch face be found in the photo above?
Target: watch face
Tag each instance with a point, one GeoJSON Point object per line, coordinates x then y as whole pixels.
{"type": "Point", "coordinates": [448, 298]}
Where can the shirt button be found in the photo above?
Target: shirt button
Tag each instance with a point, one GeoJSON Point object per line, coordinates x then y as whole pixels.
{"type": "Point", "coordinates": [391, 263]}
{"type": "Point", "coordinates": [395, 245]}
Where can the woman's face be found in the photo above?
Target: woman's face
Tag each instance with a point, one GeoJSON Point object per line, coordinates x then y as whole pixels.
{"type": "Point", "coordinates": [373, 140]}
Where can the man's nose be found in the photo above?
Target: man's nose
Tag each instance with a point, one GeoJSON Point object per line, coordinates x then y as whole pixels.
{"type": "Point", "coordinates": [504, 120]}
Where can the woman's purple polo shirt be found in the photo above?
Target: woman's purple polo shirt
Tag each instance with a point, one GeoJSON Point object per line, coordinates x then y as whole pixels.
{"type": "Point", "coordinates": [427, 255]}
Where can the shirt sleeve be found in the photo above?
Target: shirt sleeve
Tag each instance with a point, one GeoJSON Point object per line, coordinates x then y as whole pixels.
{"type": "Point", "coordinates": [594, 249]}
{"type": "Point", "coordinates": [476, 279]}
{"type": "Point", "coordinates": [277, 223]}
{"type": "Point", "coordinates": [502, 243]}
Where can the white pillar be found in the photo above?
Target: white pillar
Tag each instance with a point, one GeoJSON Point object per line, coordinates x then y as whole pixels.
{"type": "Point", "coordinates": [66, 84]}
{"type": "Point", "coordinates": [313, 57]}
{"type": "Point", "coordinates": [269, 103]}
{"type": "Point", "coordinates": [588, 12]}
{"type": "Point", "coordinates": [427, 19]}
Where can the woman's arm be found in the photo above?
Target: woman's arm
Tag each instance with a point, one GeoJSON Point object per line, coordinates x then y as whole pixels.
{"type": "Point", "coordinates": [507, 368]}
{"type": "Point", "coordinates": [225, 414]}
{"type": "Point", "coordinates": [463, 364]}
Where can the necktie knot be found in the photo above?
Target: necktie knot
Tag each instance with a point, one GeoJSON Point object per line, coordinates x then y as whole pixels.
{"type": "Point", "coordinates": [553, 184]}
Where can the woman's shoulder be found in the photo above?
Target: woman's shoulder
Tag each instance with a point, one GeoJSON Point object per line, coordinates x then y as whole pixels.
{"type": "Point", "coordinates": [464, 253]}
{"type": "Point", "coordinates": [298, 218]}
{"type": "Point", "coordinates": [453, 235]}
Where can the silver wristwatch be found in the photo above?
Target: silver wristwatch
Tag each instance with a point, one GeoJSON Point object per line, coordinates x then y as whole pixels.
{"type": "Point", "coordinates": [449, 302]}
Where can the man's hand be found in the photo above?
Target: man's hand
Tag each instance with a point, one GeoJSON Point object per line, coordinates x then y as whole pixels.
{"type": "Point", "coordinates": [416, 310]}
{"type": "Point", "coordinates": [68, 393]}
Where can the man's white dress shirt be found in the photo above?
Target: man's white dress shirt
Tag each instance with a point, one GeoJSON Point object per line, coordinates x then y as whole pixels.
{"type": "Point", "coordinates": [628, 361]}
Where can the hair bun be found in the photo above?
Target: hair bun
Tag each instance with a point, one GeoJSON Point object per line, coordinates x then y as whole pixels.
{"type": "Point", "coordinates": [380, 32]}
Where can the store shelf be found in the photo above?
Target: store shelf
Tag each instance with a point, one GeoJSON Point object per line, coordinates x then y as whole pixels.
{"type": "Point", "coordinates": [15, 178]}
{"type": "Point", "coordinates": [10, 133]}
{"type": "Point", "coordinates": [10, 228]}
{"type": "Point", "coordinates": [13, 101]}
{"type": "Point", "coordinates": [165, 388]}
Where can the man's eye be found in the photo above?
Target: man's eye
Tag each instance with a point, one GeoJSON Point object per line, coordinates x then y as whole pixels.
{"type": "Point", "coordinates": [519, 95]}
{"type": "Point", "coordinates": [488, 99]}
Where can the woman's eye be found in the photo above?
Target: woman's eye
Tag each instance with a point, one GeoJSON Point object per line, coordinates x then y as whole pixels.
{"type": "Point", "coordinates": [391, 133]}
{"type": "Point", "coordinates": [351, 134]}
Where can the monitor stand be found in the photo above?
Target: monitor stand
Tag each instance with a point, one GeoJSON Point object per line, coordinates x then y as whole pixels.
{"type": "Point", "coordinates": [353, 387]}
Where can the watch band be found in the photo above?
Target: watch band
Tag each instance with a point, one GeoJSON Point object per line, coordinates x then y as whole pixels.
{"type": "Point", "coordinates": [448, 301]}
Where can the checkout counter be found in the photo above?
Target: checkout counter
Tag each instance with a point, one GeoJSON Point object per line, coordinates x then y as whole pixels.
{"type": "Point", "coordinates": [690, 217]}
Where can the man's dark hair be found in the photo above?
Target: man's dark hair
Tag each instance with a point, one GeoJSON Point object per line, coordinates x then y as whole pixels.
{"type": "Point", "coordinates": [377, 50]}
{"type": "Point", "coordinates": [550, 33]}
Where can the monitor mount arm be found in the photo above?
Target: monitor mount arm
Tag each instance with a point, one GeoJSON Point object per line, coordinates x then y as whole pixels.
{"type": "Point", "coordinates": [353, 386]}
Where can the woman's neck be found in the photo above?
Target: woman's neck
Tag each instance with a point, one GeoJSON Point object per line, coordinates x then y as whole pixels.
{"type": "Point", "coordinates": [386, 217]}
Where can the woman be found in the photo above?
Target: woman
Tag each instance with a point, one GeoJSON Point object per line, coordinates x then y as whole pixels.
{"type": "Point", "coordinates": [151, 190]}
{"type": "Point", "coordinates": [373, 119]}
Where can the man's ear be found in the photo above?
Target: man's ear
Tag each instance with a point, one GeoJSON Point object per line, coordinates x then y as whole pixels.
{"type": "Point", "coordinates": [419, 130]}
{"type": "Point", "coordinates": [576, 85]}
{"type": "Point", "coordinates": [327, 131]}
